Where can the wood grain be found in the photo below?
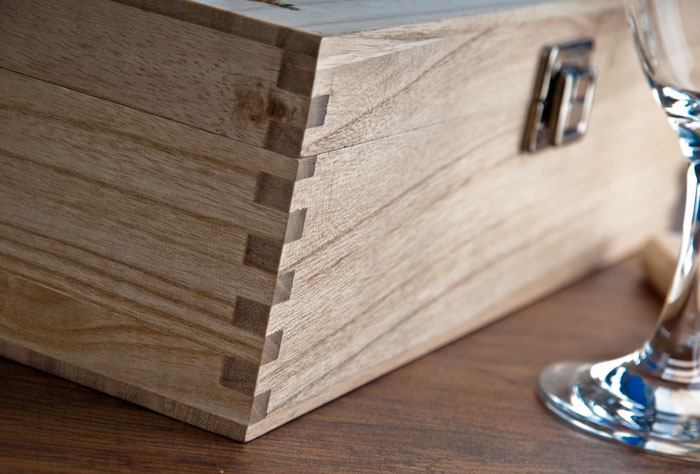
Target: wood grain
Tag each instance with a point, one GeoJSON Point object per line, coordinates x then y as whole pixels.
{"type": "Point", "coordinates": [119, 355]}
{"type": "Point", "coordinates": [442, 71]}
{"type": "Point", "coordinates": [280, 85]}
{"type": "Point", "coordinates": [151, 171]}
{"type": "Point", "coordinates": [420, 245]}
{"type": "Point", "coordinates": [141, 227]}
{"type": "Point", "coordinates": [136, 214]}
{"type": "Point", "coordinates": [214, 80]}
{"type": "Point", "coordinates": [469, 407]}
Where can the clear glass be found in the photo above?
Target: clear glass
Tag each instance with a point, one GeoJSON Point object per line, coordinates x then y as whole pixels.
{"type": "Point", "coordinates": [650, 399]}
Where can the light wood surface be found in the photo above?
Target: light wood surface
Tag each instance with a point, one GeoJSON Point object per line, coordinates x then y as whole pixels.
{"type": "Point", "coordinates": [118, 355]}
{"type": "Point", "coordinates": [139, 188]}
{"type": "Point", "coordinates": [133, 213]}
{"type": "Point", "coordinates": [144, 229]}
{"type": "Point", "coordinates": [443, 71]}
{"type": "Point", "coordinates": [445, 228]}
{"type": "Point", "coordinates": [469, 407]}
{"type": "Point", "coordinates": [228, 84]}
{"type": "Point", "coordinates": [295, 92]}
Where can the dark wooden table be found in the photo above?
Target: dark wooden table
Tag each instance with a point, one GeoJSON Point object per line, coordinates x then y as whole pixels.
{"type": "Point", "coordinates": [469, 407]}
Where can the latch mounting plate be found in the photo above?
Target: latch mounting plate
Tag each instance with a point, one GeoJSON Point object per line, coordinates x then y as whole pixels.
{"type": "Point", "coordinates": [563, 95]}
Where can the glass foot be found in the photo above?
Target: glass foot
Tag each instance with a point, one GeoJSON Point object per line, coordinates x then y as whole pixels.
{"type": "Point", "coordinates": [629, 401]}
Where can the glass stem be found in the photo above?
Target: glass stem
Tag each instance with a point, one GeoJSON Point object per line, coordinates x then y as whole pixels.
{"type": "Point", "coordinates": [673, 350]}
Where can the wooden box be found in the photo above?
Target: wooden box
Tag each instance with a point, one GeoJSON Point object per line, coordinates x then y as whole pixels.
{"type": "Point", "coordinates": [231, 212]}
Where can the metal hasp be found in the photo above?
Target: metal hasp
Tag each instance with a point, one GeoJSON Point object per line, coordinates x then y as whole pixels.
{"type": "Point", "coordinates": [561, 103]}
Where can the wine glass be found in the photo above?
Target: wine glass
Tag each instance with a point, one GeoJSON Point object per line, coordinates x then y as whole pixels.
{"type": "Point", "coordinates": [650, 399]}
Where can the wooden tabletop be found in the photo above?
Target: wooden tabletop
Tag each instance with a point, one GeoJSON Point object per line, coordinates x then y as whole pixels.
{"type": "Point", "coordinates": [420, 418]}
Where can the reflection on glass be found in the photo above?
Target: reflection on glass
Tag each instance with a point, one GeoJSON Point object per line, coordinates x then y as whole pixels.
{"type": "Point", "coordinates": [650, 399]}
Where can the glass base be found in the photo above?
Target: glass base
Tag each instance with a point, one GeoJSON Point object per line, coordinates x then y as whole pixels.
{"type": "Point", "coordinates": [628, 400]}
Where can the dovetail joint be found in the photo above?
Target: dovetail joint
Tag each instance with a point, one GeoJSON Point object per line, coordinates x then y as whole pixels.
{"type": "Point", "coordinates": [306, 167]}
{"type": "Point", "coordinates": [263, 253]}
{"type": "Point", "coordinates": [274, 192]}
{"type": "Point", "coordinates": [318, 107]}
{"type": "Point", "coordinates": [239, 375]}
{"type": "Point", "coordinates": [271, 349]}
{"type": "Point", "coordinates": [250, 315]}
{"type": "Point", "coordinates": [260, 406]}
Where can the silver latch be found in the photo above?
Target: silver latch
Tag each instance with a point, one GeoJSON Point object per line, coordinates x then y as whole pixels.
{"type": "Point", "coordinates": [561, 103]}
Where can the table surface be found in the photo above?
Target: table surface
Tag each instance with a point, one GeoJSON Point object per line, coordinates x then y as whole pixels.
{"type": "Point", "coordinates": [420, 418]}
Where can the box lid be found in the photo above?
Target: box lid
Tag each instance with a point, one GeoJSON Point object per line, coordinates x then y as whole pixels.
{"type": "Point", "coordinates": [338, 17]}
{"type": "Point", "coordinates": [297, 77]}
{"type": "Point", "coordinates": [374, 69]}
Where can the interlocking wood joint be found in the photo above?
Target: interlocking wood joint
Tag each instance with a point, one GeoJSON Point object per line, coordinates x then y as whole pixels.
{"type": "Point", "coordinates": [295, 41]}
{"type": "Point", "coordinates": [271, 349]}
{"type": "Point", "coordinates": [296, 73]}
{"type": "Point", "coordinates": [239, 375]}
{"type": "Point", "coordinates": [306, 168]}
{"type": "Point", "coordinates": [283, 288]}
{"type": "Point", "coordinates": [260, 404]}
{"type": "Point", "coordinates": [283, 138]}
{"type": "Point", "coordinates": [242, 195]}
{"type": "Point", "coordinates": [317, 111]}
{"type": "Point", "coordinates": [273, 191]}
{"type": "Point", "coordinates": [295, 226]}
{"type": "Point", "coordinates": [263, 253]}
{"type": "Point", "coordinates": [250, 315]}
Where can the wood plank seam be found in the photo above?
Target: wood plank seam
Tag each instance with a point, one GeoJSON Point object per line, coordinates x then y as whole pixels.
{"type": "Point", "coordinates": [283, 138]}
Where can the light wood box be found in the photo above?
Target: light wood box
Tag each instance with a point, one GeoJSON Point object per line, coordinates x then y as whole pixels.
{"type": "Point", "coordinates": [232, 212]}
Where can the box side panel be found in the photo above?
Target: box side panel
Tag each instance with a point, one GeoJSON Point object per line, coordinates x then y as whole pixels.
{"type": "Point", "coordinates": [168, 227]}
{"type": "Point", "coordinates": [250, 82]}
{"type": "Point", "coordinates": [414, 239]}
{"type": "Point", "coordinates": [117, 355]}
{"type": "Point", "coordinates": [436, 72]}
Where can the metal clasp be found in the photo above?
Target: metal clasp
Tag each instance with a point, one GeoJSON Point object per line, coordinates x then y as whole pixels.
{"type": "Point", "coordinates": [561, 103]}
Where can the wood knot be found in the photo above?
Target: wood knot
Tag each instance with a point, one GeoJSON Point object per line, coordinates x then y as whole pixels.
{"type": "Point", "coordinates": [260, 107]}
{"type": "Point", "coordinates": [251, 103]}
{"type": "Point", "coordinates": [276, 108]}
